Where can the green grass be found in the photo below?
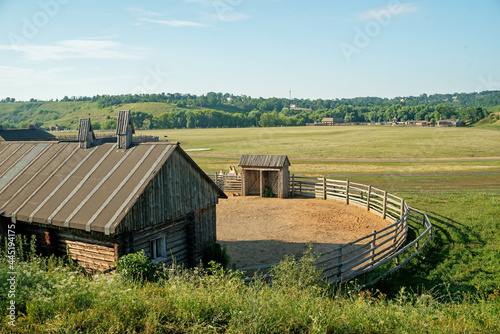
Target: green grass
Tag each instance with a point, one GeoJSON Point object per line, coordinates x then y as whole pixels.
{"type": "Point", "coordinates": [341, 142]}
{"type": "Point", "coordinates": [59, 299]}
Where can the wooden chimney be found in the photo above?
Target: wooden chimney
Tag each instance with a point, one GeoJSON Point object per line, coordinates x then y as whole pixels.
{"type": "Point", "coordinates": [124, 129]}
{"type": "Point", "coordinates": [86, 135]}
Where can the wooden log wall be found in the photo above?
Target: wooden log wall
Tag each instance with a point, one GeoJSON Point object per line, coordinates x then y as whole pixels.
{"type": "Point", "coordinates": [91, 251]}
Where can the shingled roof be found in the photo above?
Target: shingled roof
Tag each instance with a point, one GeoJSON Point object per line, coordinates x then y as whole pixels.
{"type": "Point", "coordinates": [59, 184]}
{"type": "Point", "coordinates": [25, 134]}
{"type": "Point", "coordinates": [275, 161]}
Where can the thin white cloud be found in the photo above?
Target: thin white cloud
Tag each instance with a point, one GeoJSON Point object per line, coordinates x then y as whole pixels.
{"type": "Point", "coordinates": [392, 10]}
{"type": "Point", "coordinates": [56, 77]}
{"type": "Point", "coordinates": [90, 49]}
{"type": "Point", "coordinates": [142, 12]}
{"type": "Point", "coordinates": [230, 16]}
{"type": "Point", "coordinates": [175, 23]}
{"type": "Point", "coordinates": [225, 10]}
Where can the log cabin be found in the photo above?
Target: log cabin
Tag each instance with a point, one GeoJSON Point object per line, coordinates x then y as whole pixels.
{"type": "Point", "coordinates": [99, 202]}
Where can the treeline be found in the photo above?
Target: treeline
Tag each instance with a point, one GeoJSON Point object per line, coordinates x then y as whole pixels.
{"type": "Point", "coordinates": [226, 110]}
{"type": "Point", "coordinates": [200, 118]}
{"type": "Point", "coordinates": [247, 103]}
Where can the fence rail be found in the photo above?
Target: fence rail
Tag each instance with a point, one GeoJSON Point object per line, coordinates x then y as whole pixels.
{"type": "Point", "coordinates": [227, 182]}
{"type": "Point", "coordinates": [365, 255]}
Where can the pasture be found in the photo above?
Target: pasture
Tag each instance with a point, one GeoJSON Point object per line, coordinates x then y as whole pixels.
{"type": "Point", "coordinates": [347, 149]}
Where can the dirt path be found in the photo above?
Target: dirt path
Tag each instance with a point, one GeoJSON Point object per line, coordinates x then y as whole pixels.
{"type": "Point", "coordinates": [263, 230]}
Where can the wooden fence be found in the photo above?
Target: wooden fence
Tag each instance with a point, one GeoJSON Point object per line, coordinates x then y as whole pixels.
{"type": "Point", "coordinates": [228, 182]}
{"type": "Point", "coordinates": [367, 254]}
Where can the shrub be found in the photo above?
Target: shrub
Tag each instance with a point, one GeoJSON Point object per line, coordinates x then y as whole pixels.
{"type": "Point", "coordinates": [218, 254]}
{"type": "Point", "coordinates": [268, 192]}
{"type": "Point", "coordinates": [137, 267]}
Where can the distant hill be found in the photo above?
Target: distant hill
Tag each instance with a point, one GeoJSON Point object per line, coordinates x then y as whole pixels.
{"type": "Point", "coordinates": [225, 110]}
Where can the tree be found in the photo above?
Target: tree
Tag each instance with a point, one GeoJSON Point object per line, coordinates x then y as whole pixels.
{"type": "Point", "coordinates": [268, 119]}
{"type": "Point", "coordinates": [254, 115]}
{"type": "Point", "coordinates": [96, 125]}
{"type": "Point", "coordinates": [109, 124]}
{"type": "Point", "coordinates": [138, 118]}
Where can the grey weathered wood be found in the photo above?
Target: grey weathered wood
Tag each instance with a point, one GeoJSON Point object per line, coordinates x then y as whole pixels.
{"type": "Point", "coordinates": [384, 209]}
{"type": "Point", "coordinates": [324, 187]}
{"type": "Point", "coordinates": [347, 192]}
{"type": "Point", "coordinates": [368, 195]}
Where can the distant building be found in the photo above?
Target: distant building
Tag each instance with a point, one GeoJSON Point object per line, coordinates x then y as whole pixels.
{"type": "Point", "coordinates": [449, 123]}
{"type": "Point", "coordinates": [423, 123]}
{"type": "Point", "coordinates": [30, 134]}
{"type": "Point", "coordinates": [332, 120]}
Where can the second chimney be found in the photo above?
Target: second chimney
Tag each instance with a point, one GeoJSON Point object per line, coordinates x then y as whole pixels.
{"type": "Point", "coordinates": [124, 129]}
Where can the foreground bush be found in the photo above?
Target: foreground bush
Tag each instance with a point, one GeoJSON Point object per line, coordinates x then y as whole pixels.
{"type": "Point", "coordinates": [57, 298]}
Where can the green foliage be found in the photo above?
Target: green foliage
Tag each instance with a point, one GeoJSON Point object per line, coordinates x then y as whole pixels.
{"type": "Point", "coordinates": [109, 124]}
{"type": "Point", "coordinates": [217, 253]}
{"type": "Point", "coordinates": [138, 267]}
{"type": "Point", "coordinates": [51, 297]}
{"type": "Point", "coordinates": [96, 125]}
{"type": "Point", "coordinates": [268, 192]}
{"type": "Point", "coordinates": [24, 247]}
{"type": "Point", "coordinates": [298, 274]}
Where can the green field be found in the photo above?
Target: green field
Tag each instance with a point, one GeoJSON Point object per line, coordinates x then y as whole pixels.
{"type": "Point", "coordinates": [348, 149]}
{"type": "Point", "coordinates": [452, 287]}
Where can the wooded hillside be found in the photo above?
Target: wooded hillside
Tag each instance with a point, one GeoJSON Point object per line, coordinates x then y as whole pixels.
{"type": "Point", "coordinates": [162, 111]}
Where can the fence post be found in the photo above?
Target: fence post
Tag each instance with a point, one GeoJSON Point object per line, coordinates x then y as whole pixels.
{"type": "Point", "coordinates": [372, 246]}
{"type": "Point", "coordinates": [293, 185]}
{"type": "Point", "coordinates": [368, 198]}
{"type": "Point", "coordinates": [347, 192]}
{"type": "Point", "coordinates": [385, 205]}
{"type": "Point", "coordinates": [402, 208]}
{"type": "Point", "coordinates": [339, 262]}
{"type": "Point", "coordinates": [396, 234]}
{"type": "Point", "coordinates": [324, 187]}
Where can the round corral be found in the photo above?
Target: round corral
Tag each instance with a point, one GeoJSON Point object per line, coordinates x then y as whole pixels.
{"type": "Point", "coordinates": [263, 230]}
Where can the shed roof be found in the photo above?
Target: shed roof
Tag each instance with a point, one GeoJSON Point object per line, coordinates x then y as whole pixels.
{"type": "Point", "coordinates": [249, 160]}
{"type": "Point", "coordinates": [59, 184]}
{"type": "Point", "coordinates": [25, 134]}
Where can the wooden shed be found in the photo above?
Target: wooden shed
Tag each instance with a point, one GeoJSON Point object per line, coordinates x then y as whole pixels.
{"type": "Point", "coordinates": [261, 171]}
{"type": "Point", "coordinates": [103, 202]}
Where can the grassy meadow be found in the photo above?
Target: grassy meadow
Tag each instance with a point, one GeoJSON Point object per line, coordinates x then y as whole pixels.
{"type": "Point", "coordinates": [453, 174]}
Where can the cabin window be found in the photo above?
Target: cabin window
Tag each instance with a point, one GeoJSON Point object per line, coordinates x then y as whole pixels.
{"type": "Point", "coordinates": [158, 248]}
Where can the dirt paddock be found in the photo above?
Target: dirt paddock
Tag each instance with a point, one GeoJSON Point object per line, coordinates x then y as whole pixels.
{"type": "Point", "coordinates": [263, 230]}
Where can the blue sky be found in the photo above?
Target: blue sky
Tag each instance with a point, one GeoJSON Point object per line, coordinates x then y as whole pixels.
{"type": "Point", "coordinates": [316, 49]}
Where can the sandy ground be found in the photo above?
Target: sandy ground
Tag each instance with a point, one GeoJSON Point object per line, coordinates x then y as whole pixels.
{"type": "Point", "coordinates": [263, 230]}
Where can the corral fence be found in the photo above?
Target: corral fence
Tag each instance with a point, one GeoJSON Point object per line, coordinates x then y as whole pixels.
{"type": "Point", "coordinates": [228, 182]}
{"type": "Point", "coordinates": [373, 256]}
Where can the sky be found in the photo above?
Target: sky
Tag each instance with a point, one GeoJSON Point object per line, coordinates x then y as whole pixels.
{"type": "Point", "coordinates": [261, 48]}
